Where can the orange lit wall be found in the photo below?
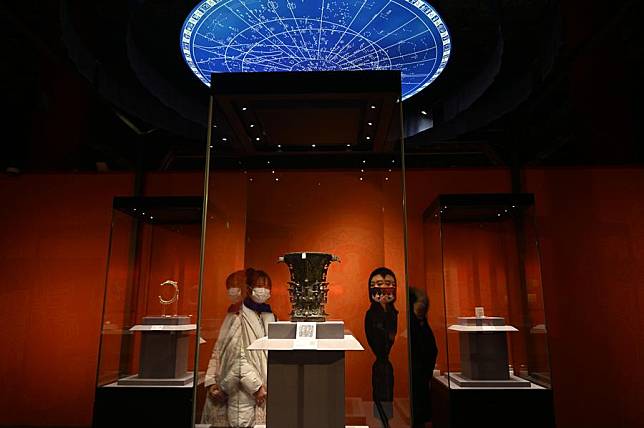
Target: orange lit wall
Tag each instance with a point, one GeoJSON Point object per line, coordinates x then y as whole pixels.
{"type": "Point", "coordinates": [54, 232]}
{"type": "Point", "coordinates": [54, 245]}
{"type": "Point", "coordinates": [591, 225]}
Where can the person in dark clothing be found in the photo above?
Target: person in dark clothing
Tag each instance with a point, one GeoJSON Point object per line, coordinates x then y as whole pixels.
{"type": "Point", "coordinates": [423, 357]}
{"type": "Point", "coordinates": [381, 325]}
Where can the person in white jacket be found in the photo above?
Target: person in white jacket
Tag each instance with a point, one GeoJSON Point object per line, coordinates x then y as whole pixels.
{"type": "Point", "coordinates": [224, 353]}
{"type": "Point", "coordinates": [241, 383]}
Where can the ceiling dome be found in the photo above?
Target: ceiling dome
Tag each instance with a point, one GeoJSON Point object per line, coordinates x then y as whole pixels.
{"type": "Point", "coordinates": [317, 35]}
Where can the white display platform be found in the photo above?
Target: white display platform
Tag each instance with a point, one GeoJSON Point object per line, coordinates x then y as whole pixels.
{"type": "Point", "coordinates": [480, 328]}
{"type": "Point", "coordinates": [349, 343]}
{"type": "Point", "coordinates": [164, 327]}
{"type": "Point", "coordinates": [347, 426]}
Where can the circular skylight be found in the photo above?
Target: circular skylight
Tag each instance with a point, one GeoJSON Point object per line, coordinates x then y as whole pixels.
{"type": "Point", "coordinates": [316, 35]}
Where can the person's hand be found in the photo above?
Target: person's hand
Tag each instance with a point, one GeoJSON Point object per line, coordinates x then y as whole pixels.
{"type": "Point", "coordinates": [216, 394]}
{"type": "Point", "coordinates": [260, 395]}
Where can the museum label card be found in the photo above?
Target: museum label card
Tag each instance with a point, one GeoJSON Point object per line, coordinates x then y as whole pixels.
{"type": "Point", "coordinates": [305, 336]}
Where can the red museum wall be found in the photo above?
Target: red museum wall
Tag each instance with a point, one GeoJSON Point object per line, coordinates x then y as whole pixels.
{"type": "Point", "coordinates": [55, 231]}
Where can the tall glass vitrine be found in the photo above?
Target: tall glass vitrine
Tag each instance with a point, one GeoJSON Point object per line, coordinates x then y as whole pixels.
{"type": "Point", "coordinates": [306, 201]}
{"type": "Point", "coordinates": [483, 278]}
{"type": "Point", "coordinates": [145, 369]}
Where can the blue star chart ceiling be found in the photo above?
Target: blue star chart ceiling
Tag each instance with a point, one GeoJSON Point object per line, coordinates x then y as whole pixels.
{"type": "Point", "coordinates": [317, 35]}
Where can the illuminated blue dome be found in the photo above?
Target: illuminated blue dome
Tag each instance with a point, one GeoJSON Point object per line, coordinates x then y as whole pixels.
{"type": "Point", "coordinates": [317, 35]}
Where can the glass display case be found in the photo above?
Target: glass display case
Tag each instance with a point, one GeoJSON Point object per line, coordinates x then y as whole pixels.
{"type": "Point", "coordinates": [483, 279]}
{"type": "Point", "coordinates": [147, 346]}
{"type": "Point", "coordinates": [304, 300]}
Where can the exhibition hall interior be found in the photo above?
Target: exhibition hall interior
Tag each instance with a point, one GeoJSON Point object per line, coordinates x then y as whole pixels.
{"type": "Point", "coordinates": [322, 214]}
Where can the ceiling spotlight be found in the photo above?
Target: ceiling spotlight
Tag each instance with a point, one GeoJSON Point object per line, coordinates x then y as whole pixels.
{"type": "Point", "coordinates": [364, 161]}
{"type": "Point", "coordinates": [211, 146]}
{"type": "Point", "coordinates": [244, 108]}
{"type": "Point", "coordinates": [273, 172]}
{"type": "Point", "coordinates": [313, 145]}
{"type": "Point", "coordinates": [252, 125]}
{"type": "Point", "coordinates": [279, 146]}
{"type": "Point", "coordinates": [370, 123]}
{"type": "Point", "coordinates": [151, 218]}
{"type": "Point", "coordinates": [386, 178]}
{"type": "Point", "coordinates": [368, 137]}
{"type": "Point", "coordinates": [277, 179]}
{"type": "Point", "coordinates": [224, 139]}
{"type": "Point", "coordinates": [362, 170]}
{"type": "Point", "coordinates": [268, 162]}
{"type": "Point", "coordinates": [360, 178]}
{"type": "Point", "coordinates": [134, 209]}
{"type": "Point", "coordinates": [373, 106]}
{"type": "Point", "coordinates": [423, 112]}
{"type": "Point", "coordinates": [250, 179]}
{"type": "Point", "coordinates": [257, 139]}
{"type": "Point", "coordinates": [348, 145]}
{"type": "Point", "coordinates": [393, 161]}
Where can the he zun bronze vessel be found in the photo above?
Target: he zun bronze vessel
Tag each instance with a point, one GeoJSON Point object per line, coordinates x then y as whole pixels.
{"type": "Point", "coordinates": [308, 288]}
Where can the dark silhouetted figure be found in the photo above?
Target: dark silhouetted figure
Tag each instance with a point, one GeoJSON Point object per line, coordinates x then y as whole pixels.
{"type": "Point", "coordinates": [423, 357]}
{"type": "Point", "coordinates": [381, 324]}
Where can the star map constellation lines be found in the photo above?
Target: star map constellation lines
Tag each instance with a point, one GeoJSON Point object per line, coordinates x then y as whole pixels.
{"type": "Point", "coordinates": [313, 35]}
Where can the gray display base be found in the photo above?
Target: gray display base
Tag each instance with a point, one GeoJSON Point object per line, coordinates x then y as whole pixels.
{"type": "Point", "coordinates": [484, 356]}
{"type": "Point", "coordinates": [306, 389]}
{"type": "Point", "coordinates": [512, 382]}
{"type": "Point", "coordinates": [136, 380]}
{"type": "Point", "coordinates": [324, 330]}
{"type": "Point", "coordinates": [167, 320]}
{"type": "Point", "coordinates": [164, 354]}
{"type": "Point", "coordinates": [480, 321]}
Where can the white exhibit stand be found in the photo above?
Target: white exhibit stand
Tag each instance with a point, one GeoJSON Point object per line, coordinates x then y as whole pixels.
{"type": "Point", "coordinates": [306, 373]}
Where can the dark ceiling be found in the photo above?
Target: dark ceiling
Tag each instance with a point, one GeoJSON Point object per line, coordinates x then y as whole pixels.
{"type": "Point", "coordinates": [101, 85]}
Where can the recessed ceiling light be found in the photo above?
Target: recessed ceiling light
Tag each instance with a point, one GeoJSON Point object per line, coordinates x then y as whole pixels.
{"type": "Point", "coordinates": [257, 138]}
{"type": "Point", "coordinates": [252, 125]}
{"type": "Point", "coordinates": [224, 139]}
{"type": "Point", "coordinates": [279, 146]}
{"type": "Point", "coordinates": [373, 106]}
{"type": "Point", "coordinates": [277, 179]}
{"type": "Point", "coordinates": [368, 137]}
{"type": "Point", "coordinates": [364, 161]}
{"type": "Point", "coordinates": [423, 112]}
{"type": "Point", "coordinates": [244, 108]}
{"type": "Point", "coordinates": [313, 145]}
{"type": "Point", "coordinates": [370, 123]}
{"type": "Point", "coordinates": [348, 145]}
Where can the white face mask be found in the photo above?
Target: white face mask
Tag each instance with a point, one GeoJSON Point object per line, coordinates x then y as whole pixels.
{"type": "Point", "coordinates": [260, 295]}
{"type": "Point", "coordinates": [234, 293]}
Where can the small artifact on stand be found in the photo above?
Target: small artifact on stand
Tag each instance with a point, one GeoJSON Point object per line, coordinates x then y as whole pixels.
{"type": "Point", "coordinates": [175, 296]}
{"type": "Point", "coordinates": [308, 287]}
{"type": "Point", "coordinates": [163, 356]}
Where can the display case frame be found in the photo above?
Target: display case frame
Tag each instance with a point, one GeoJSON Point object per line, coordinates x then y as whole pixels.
{"type": "Point", "coordinates": [483, 275]}
{"type": "Point", "coordinates": [298, 147]}
{"type": "Point", "coordinates": [148, 322]}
